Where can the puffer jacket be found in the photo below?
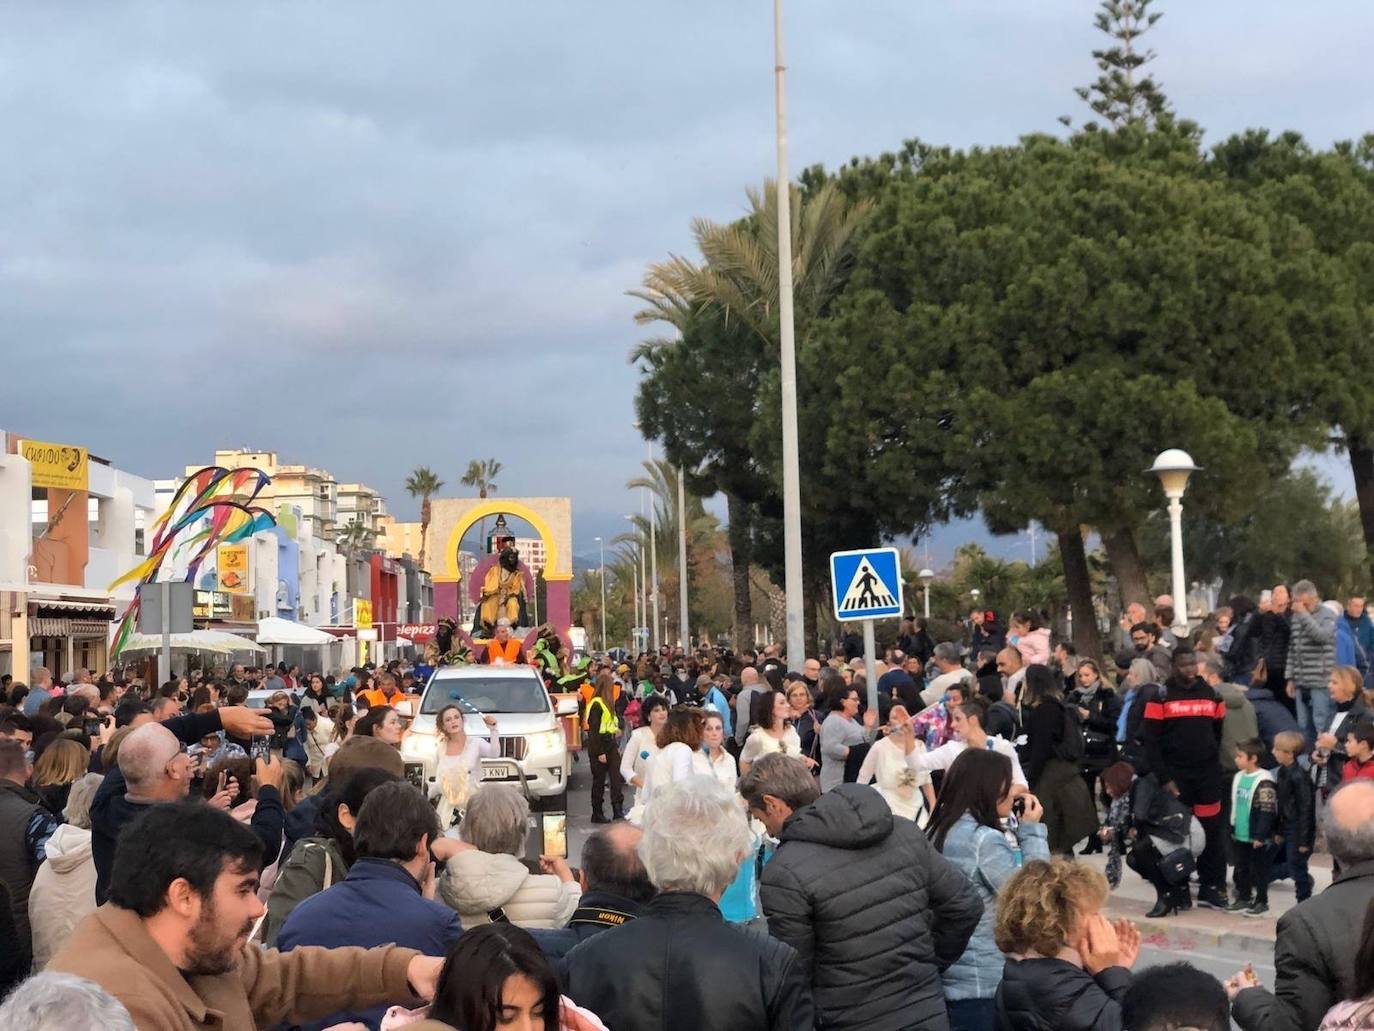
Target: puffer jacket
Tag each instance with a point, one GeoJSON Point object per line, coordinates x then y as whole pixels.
{"type": "Point", "coordinates": [63, 891]}
{"type": "Point", "coordinates": [1314, 955]}
{"type": "Point", "coordinates": [1312, 648]}
{"type": "Point", "coordinates": [479, 883]}
{"type": "Point", "coordinates": [1271, 715]}
{"type": "Point", "coordinates": [1056, 995]}
{"type": "Point", "coordinates": [1035, 647]}
{"type": "Point", "coordinates": [987, 859]}
{"type": "Point", "coordinates": [874, 912]}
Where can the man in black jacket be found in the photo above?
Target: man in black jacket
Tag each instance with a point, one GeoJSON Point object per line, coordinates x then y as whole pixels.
{"type": "Point", "coordinates": [153, 767]}
{"type": "Point", "coordinates": [1183, 721]}
{"type": "Point", "coordinates": [614, 887]}
{"type": "Point", "coordinates": [873, 910]}
{"type": "Point", "coordinates": [25, 827]}
{"type": "Point", "coordinates": [1314, 954]}
{"type": "Point", "coordinates": [678, 966]}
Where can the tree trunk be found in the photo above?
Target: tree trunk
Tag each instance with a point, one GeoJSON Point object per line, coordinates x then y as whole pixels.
{"type": "Point", "coordinates": [425, 512]}
{"type": "Point", "coordinates": [1362, 468]}
{"type": "Point", "coordinates": [1086, 637]}
{"type": "Point", "coordinates": [1128, 567]}
{"type": "Point", "coordinates": [737, 512]}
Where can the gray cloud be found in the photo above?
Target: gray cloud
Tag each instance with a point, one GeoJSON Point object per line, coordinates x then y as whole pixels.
{"type": "Point", "coordinates": [321, 227]}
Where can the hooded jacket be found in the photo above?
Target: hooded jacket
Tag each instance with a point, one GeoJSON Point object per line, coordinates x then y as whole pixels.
{"type": "Point", "coordinates": [874, 912]}
{"type": "Point", "coordinates": [478, 883]}
{"type": "Point", "coordinates": [63, 891]}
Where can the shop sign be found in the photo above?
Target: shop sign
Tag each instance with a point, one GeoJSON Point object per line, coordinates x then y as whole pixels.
{"type": "Point", "coordinates": [362, 613]}
{"type": "Point", "coordinates": [418, 632]}
{"type": "Point", "coordinates": [61, 466]}
{"type": "Point", "coordinates": [243, 608]}
{"type": "Point", "coordinates": [232, 562]}
{"type": "Point", "coordinates": [211, 605]}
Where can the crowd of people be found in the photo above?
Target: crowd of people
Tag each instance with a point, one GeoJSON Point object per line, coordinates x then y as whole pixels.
{"type": "Point", "coordinates": [776, 852]}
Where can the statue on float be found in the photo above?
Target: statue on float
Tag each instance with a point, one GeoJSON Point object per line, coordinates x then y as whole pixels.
{"type": "Point", "coordinates": [503, 588]}
{"type": "Point", "coordinates": [547, 654]}
{"type": "Point", "coordinates": [441, 652]}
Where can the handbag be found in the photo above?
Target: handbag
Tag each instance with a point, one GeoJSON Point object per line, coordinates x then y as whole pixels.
{"type": "Point", "coordinates": [1178, 866]}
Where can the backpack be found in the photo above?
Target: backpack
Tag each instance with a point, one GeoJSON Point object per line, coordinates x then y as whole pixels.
{"type": "Point", "coordinates": [1070, 745]}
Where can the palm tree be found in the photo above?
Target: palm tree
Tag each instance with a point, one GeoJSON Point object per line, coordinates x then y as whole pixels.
{"type": "Point", "coordinates": [482, 475]}
{"type": "Point", "coordinates": [421, 484]}
{"type": "Point", "coordinates": [739, 276]}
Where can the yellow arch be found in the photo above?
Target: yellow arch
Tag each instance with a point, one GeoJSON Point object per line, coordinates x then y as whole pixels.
{"type": "Point", "coordinates": [489, 508]}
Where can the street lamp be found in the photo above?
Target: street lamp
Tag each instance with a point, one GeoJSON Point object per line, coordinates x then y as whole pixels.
{"type": "Point", "coordinates": [1173, 467]}
{"type": "Point", "coordinates": [973, 593]}
{"type": "Point", "coordinates": [926, 576]}
{"type": "Point", "coordinates": [603, 594]}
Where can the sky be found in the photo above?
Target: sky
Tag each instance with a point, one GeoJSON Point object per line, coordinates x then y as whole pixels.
{"type": "Point", "coordinates": [375, 236]}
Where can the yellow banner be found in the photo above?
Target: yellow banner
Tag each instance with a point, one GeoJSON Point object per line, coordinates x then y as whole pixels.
{"type": "Point", "coordinates": [57, 465]}
{"type": "Point", "coordinates": [233, 568]}
{"type": "Point", "coordinates": [362, 613]}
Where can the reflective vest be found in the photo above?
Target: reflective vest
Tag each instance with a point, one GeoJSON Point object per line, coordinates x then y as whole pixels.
{"type": "Point", "coordinates": [610, 726]}
{"type": "Point", "coordinates": [510, 653]}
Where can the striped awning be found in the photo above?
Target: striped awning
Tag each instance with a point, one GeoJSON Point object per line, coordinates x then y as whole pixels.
{"type": "Point", "coordinates": [60, 626]}
{"type": "Point", "coordinates": [65, 607]}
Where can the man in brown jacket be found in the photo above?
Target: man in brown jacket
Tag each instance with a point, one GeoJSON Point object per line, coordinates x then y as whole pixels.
{"type": "Point", "coordinates": [172, 943]}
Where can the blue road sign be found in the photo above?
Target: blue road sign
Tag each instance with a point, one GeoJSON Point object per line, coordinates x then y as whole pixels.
{"type": "Point", "coordinates": [866, 584]}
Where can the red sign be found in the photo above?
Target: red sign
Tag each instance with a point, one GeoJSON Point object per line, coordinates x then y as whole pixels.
{"type": "Point", "coordinates": [417, 632]}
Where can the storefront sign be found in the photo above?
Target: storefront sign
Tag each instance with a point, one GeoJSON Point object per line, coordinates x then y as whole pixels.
{"type": "Point", "coordinates": [362, 614]}
{"type": "Point", "coordinates": [243, 608]}
{"type": "Point", "coordinates": [211, 605]}
{"type": "Point", "coordinates": [417, 632]}
{"type": "Point", "coordinates": [57, 465]}
{"type": "Point", "coordinates": [233, 568]}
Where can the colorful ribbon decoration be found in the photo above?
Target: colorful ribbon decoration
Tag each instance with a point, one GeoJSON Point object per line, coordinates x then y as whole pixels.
{"type": "Point", "coordinates": [216, 505]}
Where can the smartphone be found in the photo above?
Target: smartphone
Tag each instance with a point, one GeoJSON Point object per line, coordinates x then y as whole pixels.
{"type": "Point", "coordinates": [1018, 806]}
{"type": "Point", "coordinates": [262, 749]}
{"type": "Point", "coordinates": [415, 773]}
{"type": "Point", "coordinates": [556, 834]}
{"type": "Point", "coordinates": [92, 725]}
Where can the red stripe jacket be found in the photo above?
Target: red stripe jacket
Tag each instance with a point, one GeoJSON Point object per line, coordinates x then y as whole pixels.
{"type": "Point", "coordinates": [1183, 729]}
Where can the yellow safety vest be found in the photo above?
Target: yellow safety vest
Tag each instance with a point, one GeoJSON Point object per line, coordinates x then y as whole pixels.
{"type": "Point", "coordinates": [609, 724]}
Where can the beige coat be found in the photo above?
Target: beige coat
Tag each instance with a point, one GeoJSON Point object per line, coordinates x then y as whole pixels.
{"type": "Point", "coordinates": [63, 892]}
{"type": "Point", "coordinates": [475, 883]}
{"type": "Point", "coordinates": [112, 948]}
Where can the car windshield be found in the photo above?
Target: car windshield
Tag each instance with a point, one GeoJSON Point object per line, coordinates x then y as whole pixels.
{"type": "Point", "coordinates": [486, 694]}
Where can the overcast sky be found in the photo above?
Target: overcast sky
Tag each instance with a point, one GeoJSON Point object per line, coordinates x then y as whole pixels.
{"type": "Point", "coordinates": [356, 232]}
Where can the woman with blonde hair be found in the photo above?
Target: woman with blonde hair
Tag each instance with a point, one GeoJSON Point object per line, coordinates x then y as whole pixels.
{"type": "Point", "coordinates": [1068, 967]}
{"type": "Point", "coordinates": [61, 763]}
{"type": "Point", "coordinates": [458, 762]}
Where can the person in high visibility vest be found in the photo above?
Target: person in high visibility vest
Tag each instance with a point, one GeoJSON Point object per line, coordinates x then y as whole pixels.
{"type": "Point", "coordinates": [601, 733]}
{"type": "Point", "coordinates": [503, 650]}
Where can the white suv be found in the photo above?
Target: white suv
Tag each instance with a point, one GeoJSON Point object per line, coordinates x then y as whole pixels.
{"type": "Point", "coordinates": [532, 739]}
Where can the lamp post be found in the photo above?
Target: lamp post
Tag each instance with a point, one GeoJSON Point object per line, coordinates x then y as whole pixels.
{"type": "Point", "coordinates": [926, 576]}
{"type": "Point", "coordinates": [637, 554]}
{"type": "Point", "coordinates": [653, 554]}
{"type": "Point", "coordinates": [603, 594]}
{"type": "Point", "coordinates": [682, 559]}
{"type": "Point", "coordinates": [1173, 467]}
{"type": "Point", "coordinates": [791, 463]}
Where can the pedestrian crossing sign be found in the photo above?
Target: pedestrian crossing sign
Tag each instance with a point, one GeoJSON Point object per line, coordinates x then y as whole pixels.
{"type": "Point", "coordinates": [866, 584]}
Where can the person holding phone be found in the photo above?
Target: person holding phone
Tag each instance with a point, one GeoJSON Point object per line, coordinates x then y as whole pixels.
{"type": "Point", "coordinates": [458, 762]}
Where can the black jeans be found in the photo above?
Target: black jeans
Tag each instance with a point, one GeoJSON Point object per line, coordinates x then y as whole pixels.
{"type": "Point", "coordinates": [1252, 871]}
{"type": "Point", "coordinates": [1292, 864]}
{"type": "Point", "coordinates": [1203, 791]}
{"type": "Point", "coordinates": [600, 771]}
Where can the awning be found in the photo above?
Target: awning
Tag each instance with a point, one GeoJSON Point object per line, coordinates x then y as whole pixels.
{"type": "Point", "coordinates": [61, 607]}
{"type": "Point", "coordinates": [217, 641]}
{"type": "Point", "coordinates": [275, 630]}
{"type": "Point", "coordinates": [54, 626]}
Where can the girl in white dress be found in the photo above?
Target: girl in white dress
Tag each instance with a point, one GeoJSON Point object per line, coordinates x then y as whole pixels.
{"type": "Point", "coordinates": [907, 791]}
{"type": "Point", "coordinates": [679, 757]}
{"type": "Point", "coordinates": [458, 763]}
{"type": "Point", "coordinates": [772, 731]}
{"type": "Point", "coordinates": [643, 743]}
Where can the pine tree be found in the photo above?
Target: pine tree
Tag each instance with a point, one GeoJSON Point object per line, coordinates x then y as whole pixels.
{"type": "Point", "coordinates": [1123, 94]}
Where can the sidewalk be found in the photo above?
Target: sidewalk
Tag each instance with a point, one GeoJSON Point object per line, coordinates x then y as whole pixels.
{"type": "Point", "coordinates": [1204, 927]}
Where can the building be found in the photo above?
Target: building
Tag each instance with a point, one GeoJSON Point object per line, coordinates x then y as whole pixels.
{"type": "Point", "coordinates": [532, 553]}
{"type": "Point", "coordinates": [70, 524]}
{"type": "Point", "coordinates": [358, 501]}
{"type": "Point", "coordinates": [399, 539]}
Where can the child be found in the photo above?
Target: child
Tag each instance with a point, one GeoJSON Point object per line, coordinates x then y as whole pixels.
{"type": "Point", "coordinates": [1254, 819]}
{"type": "Point", "coordinates": [1297, 812]}
{"type": "Point", "coordinates": [1359, 746]}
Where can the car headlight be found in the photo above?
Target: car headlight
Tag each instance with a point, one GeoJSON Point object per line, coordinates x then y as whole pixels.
{"type": "Point", "coordinates": [417, 746]}
{"type": "Point", "coordinates": [547, 741]}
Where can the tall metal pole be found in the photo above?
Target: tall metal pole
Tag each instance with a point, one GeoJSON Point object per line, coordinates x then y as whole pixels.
{"type": "Point", "coordinates": [653, 554]}
{"type": "Point", "coordinates": [791, 473]}
{"type": "Point", "coordinates": [682, 558]}
{"type": "Point", "coordinates": [165, 658]}
{"type": "Point", "coordinates": [603, 593]}
{"type": "Point", "coordinates": [644, 569]}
